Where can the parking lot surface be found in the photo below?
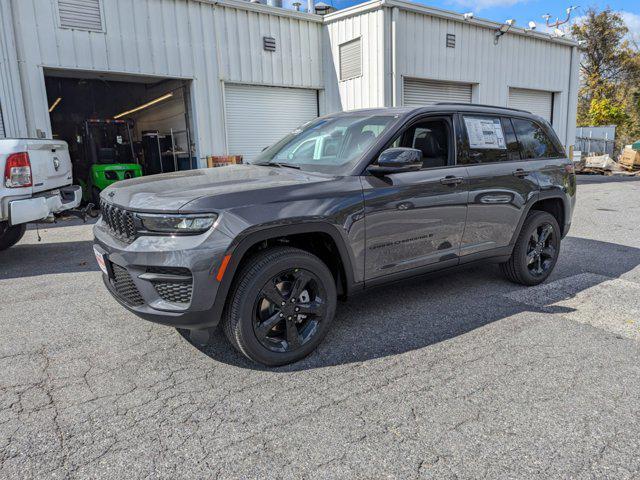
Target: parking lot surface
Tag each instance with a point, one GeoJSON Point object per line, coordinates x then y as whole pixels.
{"type": "Point", "coordinates": [463, 375]}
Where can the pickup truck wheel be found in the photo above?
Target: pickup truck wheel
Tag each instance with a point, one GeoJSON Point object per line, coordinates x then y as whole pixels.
{"type": "Point", "coordinates": [281, 306]}
{"type": "Point", "coordinates": [9, 236]}
{"type": "Point", "coordinates": [536, 250]}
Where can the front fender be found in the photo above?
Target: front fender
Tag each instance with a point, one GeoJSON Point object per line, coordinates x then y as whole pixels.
{"type": "Point", "coordinates": [249, 237]}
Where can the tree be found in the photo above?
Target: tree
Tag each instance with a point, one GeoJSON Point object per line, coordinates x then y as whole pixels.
{"type": "Point", "coordinates": [610, 74]}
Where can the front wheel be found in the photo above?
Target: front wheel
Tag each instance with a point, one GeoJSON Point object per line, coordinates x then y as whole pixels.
{"type": "Point", "coordinates": [9, 236]}
{"type": "Point", "coordinates": [281, 306]}
{"type": "Point", "coordinates": [536, 250]}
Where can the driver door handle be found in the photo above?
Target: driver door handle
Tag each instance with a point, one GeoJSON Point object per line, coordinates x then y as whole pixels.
{"type": "Point", "coordinates": [521, 173]}
{"type": "Point", "coordinates": [451, 180]}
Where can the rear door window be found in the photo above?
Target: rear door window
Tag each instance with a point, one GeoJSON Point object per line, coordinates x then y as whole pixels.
{"type": "Point", "coordinates": [534, 141]}
{"type": "Point", "coordinates": [486, 139]}
{"type": "Point", "coordinates": [513, 150]}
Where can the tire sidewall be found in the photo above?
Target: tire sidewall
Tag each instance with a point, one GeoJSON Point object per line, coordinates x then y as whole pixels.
{"type": "Point", "coordinates": [256, 350]}
{"type": "Point", "coordinates": [534, 223]}
{"type": "Point", "coordinates": [9, 236]}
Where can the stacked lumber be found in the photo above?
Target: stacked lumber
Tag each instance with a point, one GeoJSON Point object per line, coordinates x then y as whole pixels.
{"type": "Point", "coordinates": [630, 159]}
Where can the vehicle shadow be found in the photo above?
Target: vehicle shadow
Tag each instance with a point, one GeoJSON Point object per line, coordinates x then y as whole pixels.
{"type": "Point", "coordinates": [424, 311]}
{"type": "Point", "coordinates": [43, 258]}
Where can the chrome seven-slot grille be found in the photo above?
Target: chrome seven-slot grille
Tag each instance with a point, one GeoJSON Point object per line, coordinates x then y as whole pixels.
{"type": "Point", "coordinates": [119, 221]}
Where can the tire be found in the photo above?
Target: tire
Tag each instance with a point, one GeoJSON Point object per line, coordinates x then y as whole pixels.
{"type": "Point", "coordinates": [531, 263]}
{"type": "Point", "coordinates": [95, 197]}
{"type": "Point", "coordinates": [9, 236]}
{"type": "Point", "coordinates": [258, 325]}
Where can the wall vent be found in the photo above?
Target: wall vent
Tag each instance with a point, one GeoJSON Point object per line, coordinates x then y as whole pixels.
{"type": "Point", "coordinates": [81, 14]}
{"type": "Point", "coordinates": [269, 44]}
{"type": "Point", "coordinates": [451, 40]}
{"type": "Point", "coordinates": [350, 54]}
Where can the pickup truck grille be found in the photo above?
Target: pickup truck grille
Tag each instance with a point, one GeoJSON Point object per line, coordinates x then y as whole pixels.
{"type": "Point", "coordinates": [119, 221]}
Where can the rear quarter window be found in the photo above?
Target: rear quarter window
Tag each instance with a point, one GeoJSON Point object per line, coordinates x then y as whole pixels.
{"type": "Point", "coordinates": [534, 141]}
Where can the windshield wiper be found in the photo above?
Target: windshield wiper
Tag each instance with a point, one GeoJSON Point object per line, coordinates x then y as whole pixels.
{"type": "Point", "coordinates": [278, 164]}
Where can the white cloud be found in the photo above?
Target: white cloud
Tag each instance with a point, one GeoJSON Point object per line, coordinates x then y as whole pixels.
{"type": "Point", "coordinates": [632, 20]}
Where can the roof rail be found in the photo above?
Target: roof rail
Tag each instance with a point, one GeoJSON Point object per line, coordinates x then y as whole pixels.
{"type": "Point", "coordinates": [482, 105]}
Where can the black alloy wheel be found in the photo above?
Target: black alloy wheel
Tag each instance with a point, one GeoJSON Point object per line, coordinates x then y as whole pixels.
{"type": "Point", "coordinates": [536, 250]}
{"type": "Point", "coordinates": [281, 306]}
{"type": "Point", "coordinates": [288, 310]}
{"type": "Point", "coordinates": [541, 253]}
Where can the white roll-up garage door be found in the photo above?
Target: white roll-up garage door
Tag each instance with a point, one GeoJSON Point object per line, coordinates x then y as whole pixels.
{"type": "Point", "coordinates": [425, 92]}
{"type": "Point", "coordinates": [258, 116]}
{"type": "Point", "coordinates": [538, 102]}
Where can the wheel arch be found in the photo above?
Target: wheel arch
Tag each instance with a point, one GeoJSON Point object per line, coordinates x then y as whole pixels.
{"type": "Point", "coordinates": [552, 203]}
{"type": "Point", "coordinates": [255, 239]}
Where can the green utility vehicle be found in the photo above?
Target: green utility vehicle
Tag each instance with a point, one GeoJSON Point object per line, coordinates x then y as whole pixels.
{"type": "Point", "coordinates": [109, 156]}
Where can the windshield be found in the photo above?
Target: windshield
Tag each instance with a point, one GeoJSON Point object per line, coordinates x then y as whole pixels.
{"type": "Point", "coordinates": [330, 145]}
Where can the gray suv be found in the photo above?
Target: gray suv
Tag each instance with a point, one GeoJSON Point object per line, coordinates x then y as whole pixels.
{"type": "Point", "coordinates": [346, 202]}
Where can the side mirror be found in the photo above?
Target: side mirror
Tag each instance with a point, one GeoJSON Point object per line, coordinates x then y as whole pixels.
{"type": "Point", "coordinates": [397, 160]}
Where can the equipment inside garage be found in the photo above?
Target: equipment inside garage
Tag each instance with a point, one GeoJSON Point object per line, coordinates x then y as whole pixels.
{"type": "Point", "coordinates": [119, 127]}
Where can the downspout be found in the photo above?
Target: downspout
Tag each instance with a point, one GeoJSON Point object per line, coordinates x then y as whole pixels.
{"type": "Point", "coordinates": [572, 96]}
{"type": "Point", "coordinates": [395, 12]}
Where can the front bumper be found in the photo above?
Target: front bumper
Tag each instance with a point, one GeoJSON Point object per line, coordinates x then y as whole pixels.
{"type": "Point", "coordinates": [42, 205]}
{"type": "Point", "coordinates": [150, 276]}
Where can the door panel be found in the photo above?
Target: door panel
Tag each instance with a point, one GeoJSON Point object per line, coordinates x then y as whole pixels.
{"type": "Point", "coordinates": [501, 183]}
{"type": "Point", "coordinates": [498, 194]}
{"type": "Point", "coordinates": [413, 219]}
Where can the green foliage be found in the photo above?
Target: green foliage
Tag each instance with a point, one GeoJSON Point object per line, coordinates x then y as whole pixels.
{"type": "Point", "coordinates": [602, 111]}
{"type": "Point", "coordinates": [610, 74]}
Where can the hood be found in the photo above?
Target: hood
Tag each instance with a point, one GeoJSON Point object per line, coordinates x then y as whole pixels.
{"type": "Point", "coordinates": [172, 191]}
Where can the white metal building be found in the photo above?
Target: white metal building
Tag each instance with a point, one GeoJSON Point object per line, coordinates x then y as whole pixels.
{"type": "Point", "coordinates": [249, 73]}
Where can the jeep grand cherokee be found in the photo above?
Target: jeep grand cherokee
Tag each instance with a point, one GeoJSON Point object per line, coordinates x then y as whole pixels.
{"type": "Point", "coordinates": [346, 202]}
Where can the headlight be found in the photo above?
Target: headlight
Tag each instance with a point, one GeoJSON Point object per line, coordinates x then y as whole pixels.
{"type": "Point", "coordinates": [196, 223]}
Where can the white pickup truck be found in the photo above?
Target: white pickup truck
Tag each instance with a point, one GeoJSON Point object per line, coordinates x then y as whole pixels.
{"type": "Point", "coordinates": [37, 183]}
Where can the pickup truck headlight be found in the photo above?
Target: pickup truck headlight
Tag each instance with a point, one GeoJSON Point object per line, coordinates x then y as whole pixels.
{"type": "Point", "coordinates": [161, 223]}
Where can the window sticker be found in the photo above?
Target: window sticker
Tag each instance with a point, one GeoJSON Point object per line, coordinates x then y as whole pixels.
{"type": "Point", "coordinates": [485, 133]}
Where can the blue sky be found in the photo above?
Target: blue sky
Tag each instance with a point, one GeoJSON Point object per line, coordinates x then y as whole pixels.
{"type": "Point", "coordinates": [523, 10]}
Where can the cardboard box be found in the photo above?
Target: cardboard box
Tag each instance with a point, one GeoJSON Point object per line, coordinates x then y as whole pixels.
{"type": "Point", "coordinates": [630, 158]}
{"type": "Point", "coordinates": [222, 160]}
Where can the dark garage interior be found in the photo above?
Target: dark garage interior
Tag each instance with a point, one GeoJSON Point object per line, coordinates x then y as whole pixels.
{"type": "Point", "coordinates": [120, 127]}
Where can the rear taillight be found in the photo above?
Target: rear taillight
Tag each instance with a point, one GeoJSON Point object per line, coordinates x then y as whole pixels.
{"type": "Point", "coordinates": [17, 171]}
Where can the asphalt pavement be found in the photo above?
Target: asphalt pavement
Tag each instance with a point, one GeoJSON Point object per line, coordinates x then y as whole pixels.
{"type": "Point", "coordinates": [460, 376]}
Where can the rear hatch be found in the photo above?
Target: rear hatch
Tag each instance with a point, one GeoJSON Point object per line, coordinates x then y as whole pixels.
{"type": "Point", "coordinates": [50, 164]}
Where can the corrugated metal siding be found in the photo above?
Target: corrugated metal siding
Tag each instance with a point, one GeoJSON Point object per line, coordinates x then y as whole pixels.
{"type": "Point", "coordinates": [14, 120]}
{"type": "Point", "coordinates": [424, 92]}
{"type": "Point", "coordinates": [172, 38]}
{"type": "Point", "coordinates": [537, 102]}
{"type": "Point", "coordinates": [258, 116]}
{"type": "Point", "coordinates": [516, 61]}
{"type": "Point", "coordinates": [366, 90]}
{"type": "Point", "coordinates": [296, 62]}
{"type": "Point", "coordinates": [80, 14]}
{"type": "Point", "coordinates": [350, 59]}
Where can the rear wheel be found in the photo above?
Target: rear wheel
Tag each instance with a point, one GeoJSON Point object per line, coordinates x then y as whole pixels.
{"type": "Point", "coordinates": [9, 236]}
{"type": "Point", "coordinates": [281, 306]}
{"type": "Point", "coordinates": [536, 250]}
